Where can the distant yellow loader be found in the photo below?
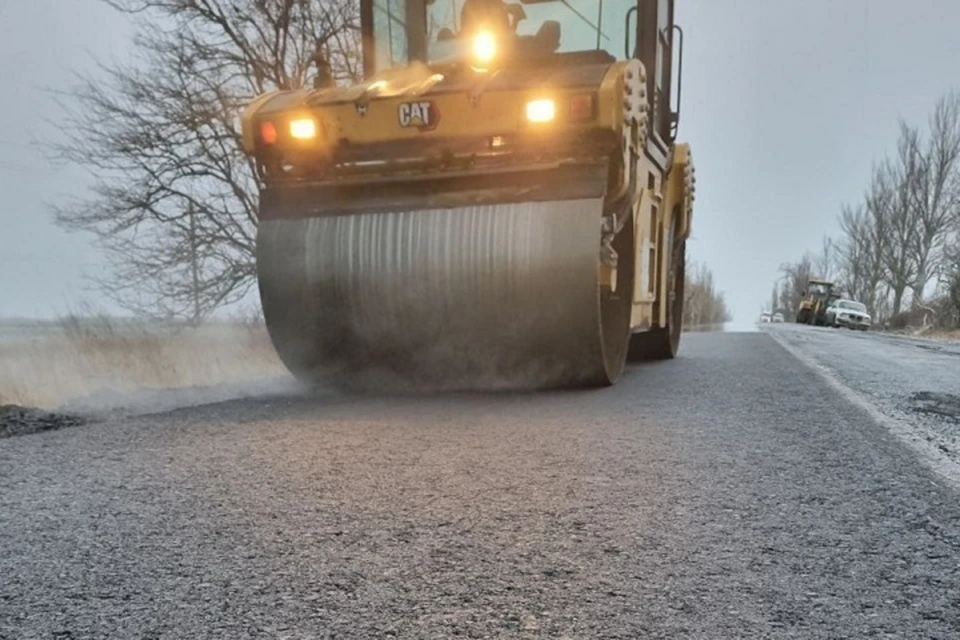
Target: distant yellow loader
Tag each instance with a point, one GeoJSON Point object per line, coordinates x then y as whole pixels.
{"type": "Point", "coordinates": [816, 298]}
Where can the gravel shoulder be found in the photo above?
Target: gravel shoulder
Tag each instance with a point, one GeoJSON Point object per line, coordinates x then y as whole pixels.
{"type": "Point", "coordinates": [700, 498]}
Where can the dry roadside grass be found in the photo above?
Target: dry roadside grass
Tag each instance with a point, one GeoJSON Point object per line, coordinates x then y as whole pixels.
{"type": "Point", "coordinates": [79, 360]}
{"type": "Point", "coordinates": [935, 335]}
{"type": "Point", "coordinates": [942, 335]}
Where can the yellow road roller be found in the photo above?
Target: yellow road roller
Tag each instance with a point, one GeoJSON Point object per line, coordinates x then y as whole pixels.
{"type": "Point", "coordinates": [500, 203]}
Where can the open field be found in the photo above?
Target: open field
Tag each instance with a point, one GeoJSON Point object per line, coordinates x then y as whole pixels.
{"type": "Point", "coordinates": [55, 364]}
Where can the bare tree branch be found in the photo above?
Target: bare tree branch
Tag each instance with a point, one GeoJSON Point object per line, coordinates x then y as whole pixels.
{"type": "Point", "coordinates": [793, 282]}
{"type": "Point", "coordinates": [860, 261]}
{"type": "Point", "coordinates": [825, 262]}
{"type": "Point", "coordinates": [174, 199]}
{"type": "Point", "coordinates": [703, 305]}
{"type": "Point", "coordinates": [889, 201]}
{"type": "Point", "coordinates": [936, 190]}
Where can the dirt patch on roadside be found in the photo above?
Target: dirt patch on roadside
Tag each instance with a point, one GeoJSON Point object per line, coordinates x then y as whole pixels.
{"type": "Point", "coordinates": [944, 405]}
{"type": "Point", "coordinates": [17, 421]}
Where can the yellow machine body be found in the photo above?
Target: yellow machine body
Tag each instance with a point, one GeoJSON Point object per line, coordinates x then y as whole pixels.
{"type": "Point", "coordinates": [814, 302]}
{"type": "Point", "coordinates": [523, 223]}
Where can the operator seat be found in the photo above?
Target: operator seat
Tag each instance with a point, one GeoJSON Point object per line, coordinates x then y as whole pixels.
{"type": "Point", "coordinates": [548, 36]}
{"type": "Point", "coordinates": [492, 13]}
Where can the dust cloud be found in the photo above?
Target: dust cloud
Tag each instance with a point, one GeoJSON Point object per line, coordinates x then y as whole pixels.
{"type": "Point", "coordinates": [96, 367]}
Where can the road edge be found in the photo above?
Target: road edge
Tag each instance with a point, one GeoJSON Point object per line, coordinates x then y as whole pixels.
{"type": "Point", "coordinates": [929, 455]}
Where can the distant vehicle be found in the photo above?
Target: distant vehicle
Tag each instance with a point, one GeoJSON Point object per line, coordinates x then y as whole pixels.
{"type": "Point", "coordinates": [764, 317]}
{"type": "Point", "coordinates": [817, 297]}
{"type": "Point", "coordinates": [848, 313]}
{"type": "Point", "coordinates": [778, 317]}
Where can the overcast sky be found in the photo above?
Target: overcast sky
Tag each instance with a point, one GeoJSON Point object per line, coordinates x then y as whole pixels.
{"type": "Point", "coordinates": [42, 43]}
{"type": "Point", "coordinates": [786, 104]}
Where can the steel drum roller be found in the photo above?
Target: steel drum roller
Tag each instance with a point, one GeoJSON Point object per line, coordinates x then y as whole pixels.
{"type": "Point", "coordinates": [450, 298]}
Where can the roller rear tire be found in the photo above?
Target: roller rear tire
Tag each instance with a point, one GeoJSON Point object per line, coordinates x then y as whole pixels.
{"type": "Point", "coordinates": [663, 343]}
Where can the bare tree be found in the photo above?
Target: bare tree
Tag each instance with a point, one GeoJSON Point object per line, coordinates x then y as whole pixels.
{"type": "Point", "coordinates": [859, 261]}
{"type": "Point", "coordinates": [825, 262]}
{"type": "Point", "coordinates": [905, 233]}
{"type": "Point", "coordinates": [935, 190]}
{"type": "Point", "coordinates": [854, 252]}
{"type": "Point", "coordinates": [704, 306]}
{"type": "Point", "coordinates": [889, 201]}
{"type": "Point", "coordinates": [952, 282]}
{"type": "Point", "coordinates": [174, 200]}
{"type": "Point", "coordinates": [794, 277]}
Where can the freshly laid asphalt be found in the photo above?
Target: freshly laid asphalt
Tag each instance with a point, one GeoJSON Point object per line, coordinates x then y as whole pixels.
{"type": "Point", "coordinates": [730, 493]}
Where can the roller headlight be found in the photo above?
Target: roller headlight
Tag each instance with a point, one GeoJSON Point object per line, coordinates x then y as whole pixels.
{"type": "Point", "coordinates": [484, 47]}
{"type": "Point", "coordinates": [543, 110]}
{"type": "Point", "coordinates": [303, 129]}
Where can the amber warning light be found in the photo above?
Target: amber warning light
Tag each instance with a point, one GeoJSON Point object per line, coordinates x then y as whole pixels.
{"type": "Point", "coordinates": [268, 133]}
{"type": "Point", "coordinates": [581, 106]}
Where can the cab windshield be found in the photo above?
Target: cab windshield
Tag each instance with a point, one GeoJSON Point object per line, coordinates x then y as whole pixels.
{"type": "Point", "coordinates": [582, 25]}
{"type": "Point", "coordinates": [818, 289]}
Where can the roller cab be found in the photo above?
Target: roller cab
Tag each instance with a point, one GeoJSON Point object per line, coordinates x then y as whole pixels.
{"type": "Point", "coordinates": [500, 200]}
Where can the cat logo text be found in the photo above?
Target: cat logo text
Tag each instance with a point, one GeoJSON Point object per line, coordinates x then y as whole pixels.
{"type": "Point", "coordinates": [423, 115]}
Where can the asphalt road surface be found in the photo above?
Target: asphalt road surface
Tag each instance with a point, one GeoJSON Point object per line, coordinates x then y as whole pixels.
{"type": "Point", "coordinates": [912, 385]}
{"type": "Point", "coordinates": [735, 492]}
